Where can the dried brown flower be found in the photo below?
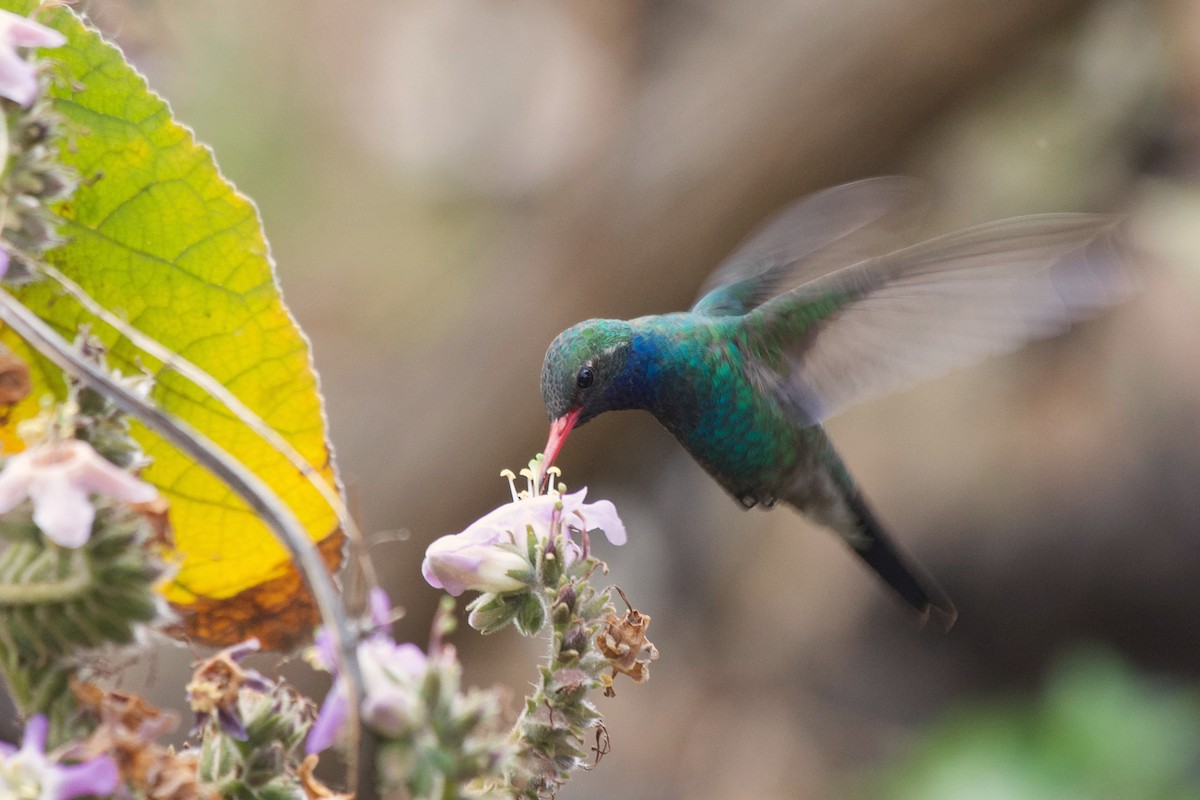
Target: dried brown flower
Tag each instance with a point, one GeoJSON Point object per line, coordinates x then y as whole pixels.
{"type": "Point", "coordinates": [127, 731]}
{"type": "Point", "coordinates": [623, 642]}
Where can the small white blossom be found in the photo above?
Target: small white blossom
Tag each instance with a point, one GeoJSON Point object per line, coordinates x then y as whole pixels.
{"type": "Point", "coordinates": [18, 77]}
{"type": "Point", "coordinates": [477, 560]}
{"type": "Point", "coordinates": [59, 477]}
{"type": "Point", "coordinates": [489, 555]}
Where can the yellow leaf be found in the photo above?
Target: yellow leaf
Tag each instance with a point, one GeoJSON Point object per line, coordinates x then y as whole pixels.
{"type": "Point", "coordinates": [157, 235]}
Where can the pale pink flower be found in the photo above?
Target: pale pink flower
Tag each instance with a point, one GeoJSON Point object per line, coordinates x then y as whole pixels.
{"type": "Point", "coordinates": [59, 477]}
{"type": "Point", "coordinates": [392, 677]}
{"type": "Point", "coordinates": [18, 77]}
{"type": "Point", "coordinates": [601, 514]}
{"type": "Point", "coordinates": [483, 558]}
{"type": "Point", "coordinates": [488, 555]}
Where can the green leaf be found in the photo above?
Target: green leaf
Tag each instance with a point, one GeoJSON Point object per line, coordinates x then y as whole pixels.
{"type": "Point", "coordinates": [157, 235]}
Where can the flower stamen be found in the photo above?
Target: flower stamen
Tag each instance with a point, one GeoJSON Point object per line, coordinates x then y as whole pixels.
{"type": "Point", "coordinates": [512, 482]}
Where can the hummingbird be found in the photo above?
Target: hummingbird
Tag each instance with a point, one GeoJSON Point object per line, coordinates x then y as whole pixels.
{"type": "Point", "coordinates": [816, 312]}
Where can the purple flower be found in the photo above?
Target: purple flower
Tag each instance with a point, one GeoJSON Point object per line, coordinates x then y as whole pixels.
{"type": "Point", "coordinates": [59, 476]}
{"type": "Point", "coordinates": [489, 555]}
{"type": "Point", "coordinates": [217, 683]}
{"type": "Point", "coordinates": [330, 719]}
{"type": "Point", "coordinates": [392, 676]}
{"type": "Point", "coordinates": [18, 77]}
{"type": "Point", "coordinates": [379, 606]}
{"type": "Point", "coordinates": [30, 773]}
{"type": "Point", "coordinates": [379, 609]}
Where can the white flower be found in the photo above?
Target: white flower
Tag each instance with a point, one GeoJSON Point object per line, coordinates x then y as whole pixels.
{"type": "Point", "coordinates": [489, 555]}
{"type": "Point", "coordinates": [18, 77]}
{"type": "Point", "coordinates": [478, 560]}
{"type": "Point", "coordinates": [59, 476]}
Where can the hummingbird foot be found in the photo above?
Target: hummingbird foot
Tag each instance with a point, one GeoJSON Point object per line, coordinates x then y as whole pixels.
{"type": "Point", "coordinates": [749, 501]}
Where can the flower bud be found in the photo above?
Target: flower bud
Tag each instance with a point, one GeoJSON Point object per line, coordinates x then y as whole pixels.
{"type": "Point", "coordinates": [566, 596]}
{"type": "Point", "coordinates": [460, 562]}
{"type": "Point", "coordinates": [489, 613]}
{"type": "Point", "coordinates": [564, 604]}
{"type": "Point", "coordinates": [575, 639]}
{"type": "Point", "coordinates": [34, 131]}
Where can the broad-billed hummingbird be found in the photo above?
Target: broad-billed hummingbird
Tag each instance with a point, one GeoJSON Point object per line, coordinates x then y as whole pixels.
{"type": "Point", "coordinates": [813, 314]}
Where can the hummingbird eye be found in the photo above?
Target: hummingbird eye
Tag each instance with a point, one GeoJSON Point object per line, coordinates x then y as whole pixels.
{"type": "Point", "coordinates": [584, 378]}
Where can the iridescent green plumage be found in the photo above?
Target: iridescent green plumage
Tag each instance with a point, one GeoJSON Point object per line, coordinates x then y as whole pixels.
{"type": "Point", "coordinates": [781, 340]}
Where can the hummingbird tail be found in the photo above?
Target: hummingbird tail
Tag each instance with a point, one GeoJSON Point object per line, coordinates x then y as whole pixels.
{"type": "Point", "coordinates": [907, 579]}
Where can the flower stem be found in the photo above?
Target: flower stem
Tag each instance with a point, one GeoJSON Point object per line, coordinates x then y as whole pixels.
{"type": "Point", "coordinates": [550, 733]}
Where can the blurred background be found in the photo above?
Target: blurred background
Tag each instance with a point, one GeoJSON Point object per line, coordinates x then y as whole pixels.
{"type": "Point", "coordinates": [446, 184]}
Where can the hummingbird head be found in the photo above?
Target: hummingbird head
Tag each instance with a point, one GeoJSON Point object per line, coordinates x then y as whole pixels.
{"type": "Point", "coordinates": [578, 374]}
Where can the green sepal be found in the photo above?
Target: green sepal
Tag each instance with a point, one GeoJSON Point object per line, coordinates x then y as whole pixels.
{"type": "Point", "coordinates": [531, 615]}
{"type": "Point", "coordinates": [264, 765]}
{"type": "Point", "coordinates": [533, 548]}
{"type": "Point", "coordinates": [489, 613]}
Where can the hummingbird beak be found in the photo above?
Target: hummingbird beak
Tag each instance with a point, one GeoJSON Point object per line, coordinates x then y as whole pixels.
{"type": "Point", "coordinates": [559, 428]}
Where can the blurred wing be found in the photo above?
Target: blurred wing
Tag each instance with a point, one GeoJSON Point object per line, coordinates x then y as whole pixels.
{"type": "Point", "coordinates": [892, 321]}
{"type": "Point", "coordinates": [823, 232]}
